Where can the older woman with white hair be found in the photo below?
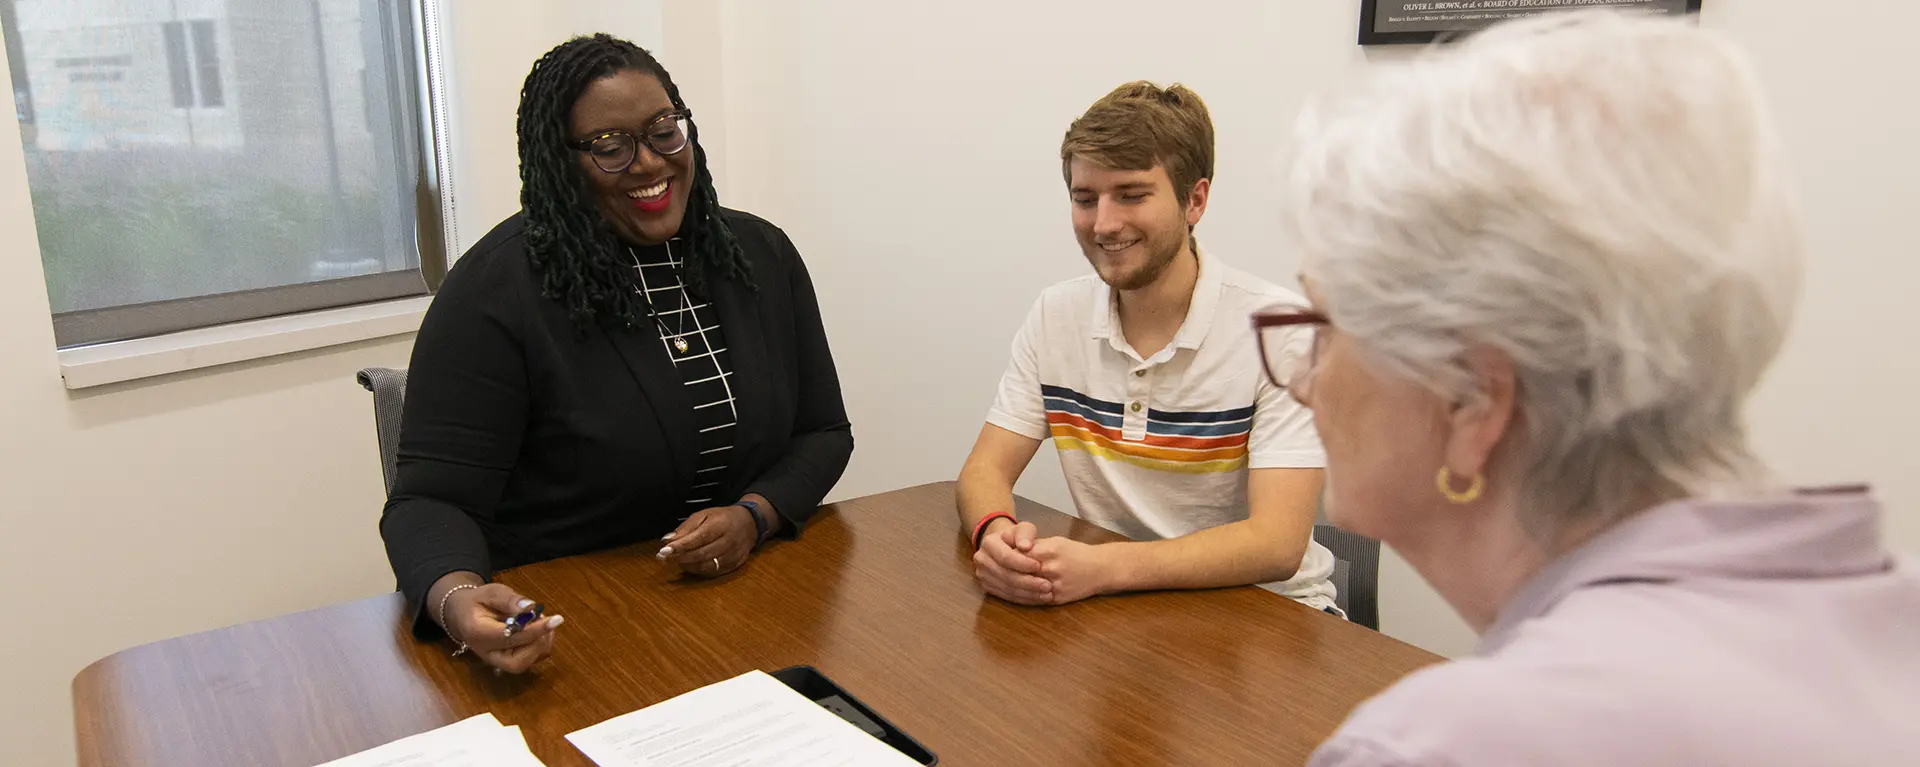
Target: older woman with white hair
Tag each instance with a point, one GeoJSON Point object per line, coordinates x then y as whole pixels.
{"type": "Point", "coordinates": [1547, 268]}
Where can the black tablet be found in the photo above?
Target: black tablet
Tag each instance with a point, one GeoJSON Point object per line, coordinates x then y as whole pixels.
{"type": "Point", "coordinates": [808, 681]}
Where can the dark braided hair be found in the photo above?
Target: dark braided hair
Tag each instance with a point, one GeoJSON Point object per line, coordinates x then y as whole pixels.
{"type": "Point", "coordinates": [574, 252]}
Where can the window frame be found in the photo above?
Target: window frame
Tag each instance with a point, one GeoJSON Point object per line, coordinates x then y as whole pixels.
{"type": "Point", "coordinates": [422, 76]}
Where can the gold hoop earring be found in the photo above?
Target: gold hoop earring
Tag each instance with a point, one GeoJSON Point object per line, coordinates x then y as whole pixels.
{"type": "Point", "coordinates": [1445, 480]}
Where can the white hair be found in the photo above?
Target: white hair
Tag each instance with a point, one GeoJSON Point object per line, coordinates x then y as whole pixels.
{"type": "Point", "coordinates": [1598, 196]}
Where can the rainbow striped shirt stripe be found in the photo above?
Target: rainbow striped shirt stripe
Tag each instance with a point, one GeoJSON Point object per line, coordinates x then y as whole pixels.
{"type": "Point", "coordinates": [1206, 442]}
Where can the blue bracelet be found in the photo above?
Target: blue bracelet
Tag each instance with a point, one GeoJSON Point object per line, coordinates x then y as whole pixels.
{"type": "Point", "coordinates": [760, 528]}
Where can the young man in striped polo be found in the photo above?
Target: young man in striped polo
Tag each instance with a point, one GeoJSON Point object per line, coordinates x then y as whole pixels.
{"type": "Point", "coordinates": [1145, 376]}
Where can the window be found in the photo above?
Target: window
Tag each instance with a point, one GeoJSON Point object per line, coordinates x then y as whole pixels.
{"type": "Point", "coordinates": [200, 162]}
{"type": "Point", "coordinates": [203, 75]}
{"type": "Point", "coordinates": [178, 74]}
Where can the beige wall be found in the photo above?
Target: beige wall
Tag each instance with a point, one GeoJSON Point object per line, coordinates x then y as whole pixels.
{"type": "Point", "coordinates": [909, 150]}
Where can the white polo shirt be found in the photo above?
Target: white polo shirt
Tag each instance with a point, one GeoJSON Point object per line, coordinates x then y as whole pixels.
{"type": "Point", "coordinates": [1159, 448]}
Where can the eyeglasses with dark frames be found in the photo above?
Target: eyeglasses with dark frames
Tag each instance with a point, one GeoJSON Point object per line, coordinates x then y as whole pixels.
{"type": "Point", "coordinates": [616, 151]}
{"type": "Point", "coordinates": [1290, 339]}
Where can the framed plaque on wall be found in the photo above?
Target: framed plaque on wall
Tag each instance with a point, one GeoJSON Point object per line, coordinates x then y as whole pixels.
{"type": "Point", "coordinates": [1385, 22]}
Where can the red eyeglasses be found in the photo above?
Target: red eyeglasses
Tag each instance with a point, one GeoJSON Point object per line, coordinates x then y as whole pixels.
{"type": "Point", "coordinates": [1290, 340]}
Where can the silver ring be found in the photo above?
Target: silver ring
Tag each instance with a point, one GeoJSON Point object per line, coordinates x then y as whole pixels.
{"type": "Point", "coordinates": [716, 564]}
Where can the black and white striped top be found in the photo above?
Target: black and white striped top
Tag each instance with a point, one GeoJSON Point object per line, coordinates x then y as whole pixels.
{"type": "Point", "coordinates": [703, 367]}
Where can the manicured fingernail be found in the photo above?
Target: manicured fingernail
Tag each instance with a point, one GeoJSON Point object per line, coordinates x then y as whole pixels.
{"type": "Point", "coordinates": [555, 621]}
{"type": "Point", "coordinates": [665, 551]}
{"type": "Point", "coordinates": [524, 603]}
{"type": "Point", "coordinates": [668, 536]}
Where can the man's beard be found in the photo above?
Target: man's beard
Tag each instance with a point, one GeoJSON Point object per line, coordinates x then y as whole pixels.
{"type": "Point", "coordinates": [1157, 263]}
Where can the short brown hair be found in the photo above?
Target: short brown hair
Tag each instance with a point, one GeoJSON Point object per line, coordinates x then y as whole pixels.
{"type": "Point", "coordinates": [1140, 125]}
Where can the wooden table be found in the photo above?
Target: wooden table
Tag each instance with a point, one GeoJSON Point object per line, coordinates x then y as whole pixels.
{"type": "Point", "coordinates": [878, 594]}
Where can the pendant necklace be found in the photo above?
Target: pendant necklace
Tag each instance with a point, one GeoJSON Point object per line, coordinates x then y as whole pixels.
{"type": "Point", "coordinates": [679, 341]}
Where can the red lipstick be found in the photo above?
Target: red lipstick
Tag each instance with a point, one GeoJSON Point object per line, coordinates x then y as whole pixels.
{"type": "Point", "coordinates": [655, 204]}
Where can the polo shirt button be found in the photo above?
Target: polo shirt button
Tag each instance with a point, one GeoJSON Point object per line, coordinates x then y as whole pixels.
{"type": "Point", "coordinates": [1136, 407]}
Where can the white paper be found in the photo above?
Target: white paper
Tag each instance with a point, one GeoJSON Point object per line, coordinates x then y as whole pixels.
{"type": "Point", "coordinates": [751, 720]}
{"type": "Point", "coordinates": [477, 741]}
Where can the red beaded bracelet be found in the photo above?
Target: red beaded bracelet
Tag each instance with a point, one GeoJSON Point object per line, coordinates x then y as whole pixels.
{"type": "Point", "coordinates": [980, 528]}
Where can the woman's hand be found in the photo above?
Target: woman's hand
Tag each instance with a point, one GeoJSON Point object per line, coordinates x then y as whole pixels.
{"type": "Point", "coordinates": [712, 542]}
{"type": "Point", "coordinates": [478, 616]}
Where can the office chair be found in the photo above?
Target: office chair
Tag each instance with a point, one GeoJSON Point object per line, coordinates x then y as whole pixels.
{"type": "Point", "coordinates": [389, 389]}
{"type": "Point", "coordinates": [1356, 573]}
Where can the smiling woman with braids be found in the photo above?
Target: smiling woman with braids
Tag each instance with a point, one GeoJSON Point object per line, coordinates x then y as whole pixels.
{"type": "Point", "coordinates": [624, 360]}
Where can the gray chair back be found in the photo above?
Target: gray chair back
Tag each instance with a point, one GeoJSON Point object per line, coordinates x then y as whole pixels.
{"type": "Point", "coordinates": [1356, 573]}
{"type": "Point", "coordinates": [389, 389]}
